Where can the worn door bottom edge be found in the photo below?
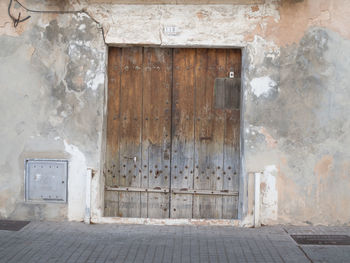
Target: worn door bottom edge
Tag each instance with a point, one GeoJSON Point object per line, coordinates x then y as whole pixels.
{"type": "Point", "coordinates": [167, 221]}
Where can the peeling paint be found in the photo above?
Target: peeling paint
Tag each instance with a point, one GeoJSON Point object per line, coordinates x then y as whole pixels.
{"type": "Point", "coordinates": [295, 82]}
{"type": "Point", "coordinates": [269, 195]}
{"type": "Point", "coordinates": [96, 79]}
{"type": "Point", "coordinates": [263, 86]}
{"type": "Point", "coordinates": [76, 178]}
{"type": "Point", "coordinates": [46, 103]}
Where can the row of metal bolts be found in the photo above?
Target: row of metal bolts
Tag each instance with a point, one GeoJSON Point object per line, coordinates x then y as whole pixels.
{"type": "Point", "coordinates": [166, 166]}
{"type": "Point", "coordinates": [175, 177]}
{"type": "Point", "coordinates": [159, 172]}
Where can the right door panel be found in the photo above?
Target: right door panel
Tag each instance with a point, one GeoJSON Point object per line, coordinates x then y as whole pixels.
{"type": "Point", "coordinates": [205, 136]}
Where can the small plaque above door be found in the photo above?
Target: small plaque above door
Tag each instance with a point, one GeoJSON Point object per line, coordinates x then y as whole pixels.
{"type": "Point", "coordinates": [227, 93]}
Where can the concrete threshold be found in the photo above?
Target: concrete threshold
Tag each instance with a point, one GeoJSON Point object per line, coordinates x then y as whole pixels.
{"type": "Point", "coordinates": [167, 221]}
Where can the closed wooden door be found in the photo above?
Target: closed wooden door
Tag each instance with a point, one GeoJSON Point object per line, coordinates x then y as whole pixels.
{"type": "Point", "coordinates": [173, 133]}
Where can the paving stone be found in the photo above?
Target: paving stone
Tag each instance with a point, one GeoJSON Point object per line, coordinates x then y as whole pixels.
{"type": "Point", "coordinates": [77, 242]}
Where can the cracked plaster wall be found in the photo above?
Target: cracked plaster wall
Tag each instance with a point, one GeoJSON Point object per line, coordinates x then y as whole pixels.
{"type": "Point", "coordinates": [295, 81]}
{"type": "Point", "coordinates": [52, 71]}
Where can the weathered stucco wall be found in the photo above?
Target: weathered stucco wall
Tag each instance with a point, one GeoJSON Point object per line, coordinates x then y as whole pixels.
{"type": "Point", "coordinates": [52, 76]}
{"type": "Point", "coordinates": [295, 103]}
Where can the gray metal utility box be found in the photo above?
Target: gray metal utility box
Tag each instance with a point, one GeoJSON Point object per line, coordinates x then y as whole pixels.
{"type": "Point", "coordinates": [46, 180]}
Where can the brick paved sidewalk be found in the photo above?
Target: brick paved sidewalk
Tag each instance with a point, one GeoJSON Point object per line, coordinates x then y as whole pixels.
{"type": "Point", "coordinates": [76, 242]}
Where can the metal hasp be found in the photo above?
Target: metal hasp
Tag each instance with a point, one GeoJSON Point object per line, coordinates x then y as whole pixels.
{"type": "Point", "coordinates": [46, 180]}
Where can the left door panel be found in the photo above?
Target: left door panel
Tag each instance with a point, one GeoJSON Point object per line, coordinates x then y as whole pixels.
{"type": "Point", "coordinates": [138, 132]}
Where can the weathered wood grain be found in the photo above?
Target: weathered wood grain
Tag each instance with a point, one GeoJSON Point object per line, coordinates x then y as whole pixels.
{"type": "Point", "coordinates": [165, 131]}
{"type": "Point", "coordinates": [130, 130]}
{"type": "Point", "coordinates": [232, 140]}
{"type": "Point", "coordinates": [209, 135]}
{"type": "Point", "coordinates": [156, 129]}
{"type": "Point", "coordinates": [112, 169]}
{"type": "Point", "coordinates": [183, 130]}
{"type": "Point", "coordinates": [113, 118]}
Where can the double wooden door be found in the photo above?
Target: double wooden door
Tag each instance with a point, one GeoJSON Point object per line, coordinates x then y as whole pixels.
{"type": "Point", "coordinates": [173, 133]}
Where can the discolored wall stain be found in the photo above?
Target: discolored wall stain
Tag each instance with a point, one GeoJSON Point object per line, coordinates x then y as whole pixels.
{"type": "Point", "coordinates": [307, 118]}
{"type": "Point", "coordinates": [51, 93]}
{"type": "Point", "coordinates": [296, 17]}
{"type": "Point", "coordinates": [323, 168]}
{"type": "Point", "coordinates": [295, 97]}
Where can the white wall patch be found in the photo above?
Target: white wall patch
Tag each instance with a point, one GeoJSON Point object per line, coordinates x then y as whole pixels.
{"type": "Point", "coordinates": [269, 195]}
{"type": "Point", "coordinates": [262, 86]}
{"type": "Point", "coordinates": [76, 182]}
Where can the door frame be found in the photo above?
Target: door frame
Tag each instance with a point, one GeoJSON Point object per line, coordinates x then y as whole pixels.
{"type": "Point", "coordinates": [243, 177]}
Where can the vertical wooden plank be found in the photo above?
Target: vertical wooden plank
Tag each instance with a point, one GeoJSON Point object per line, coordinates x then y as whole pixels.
{"type": "Point", "coordinates": [234, 62]}
{"type": "Point", "coordinates": [209, 133]}
{"type": "Point", "coordinates": [232, 93]}
{"type": "Point", "coordinates": [111, 203]}
{"type": "Point", "coordinates": [232, 142]}
{"type": "Point", "coordinates": [156, 136]}
{"type": "Point", "coordinates": [231, 162]}
{"type": "Point", "coordinates": [182, 131]}
{"type": "Point", "coordinates": [203, 136]}
{"type": "Point", "coordinates": [112, 156]}
{"type": "Point", "coordinates": [130, 130]}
